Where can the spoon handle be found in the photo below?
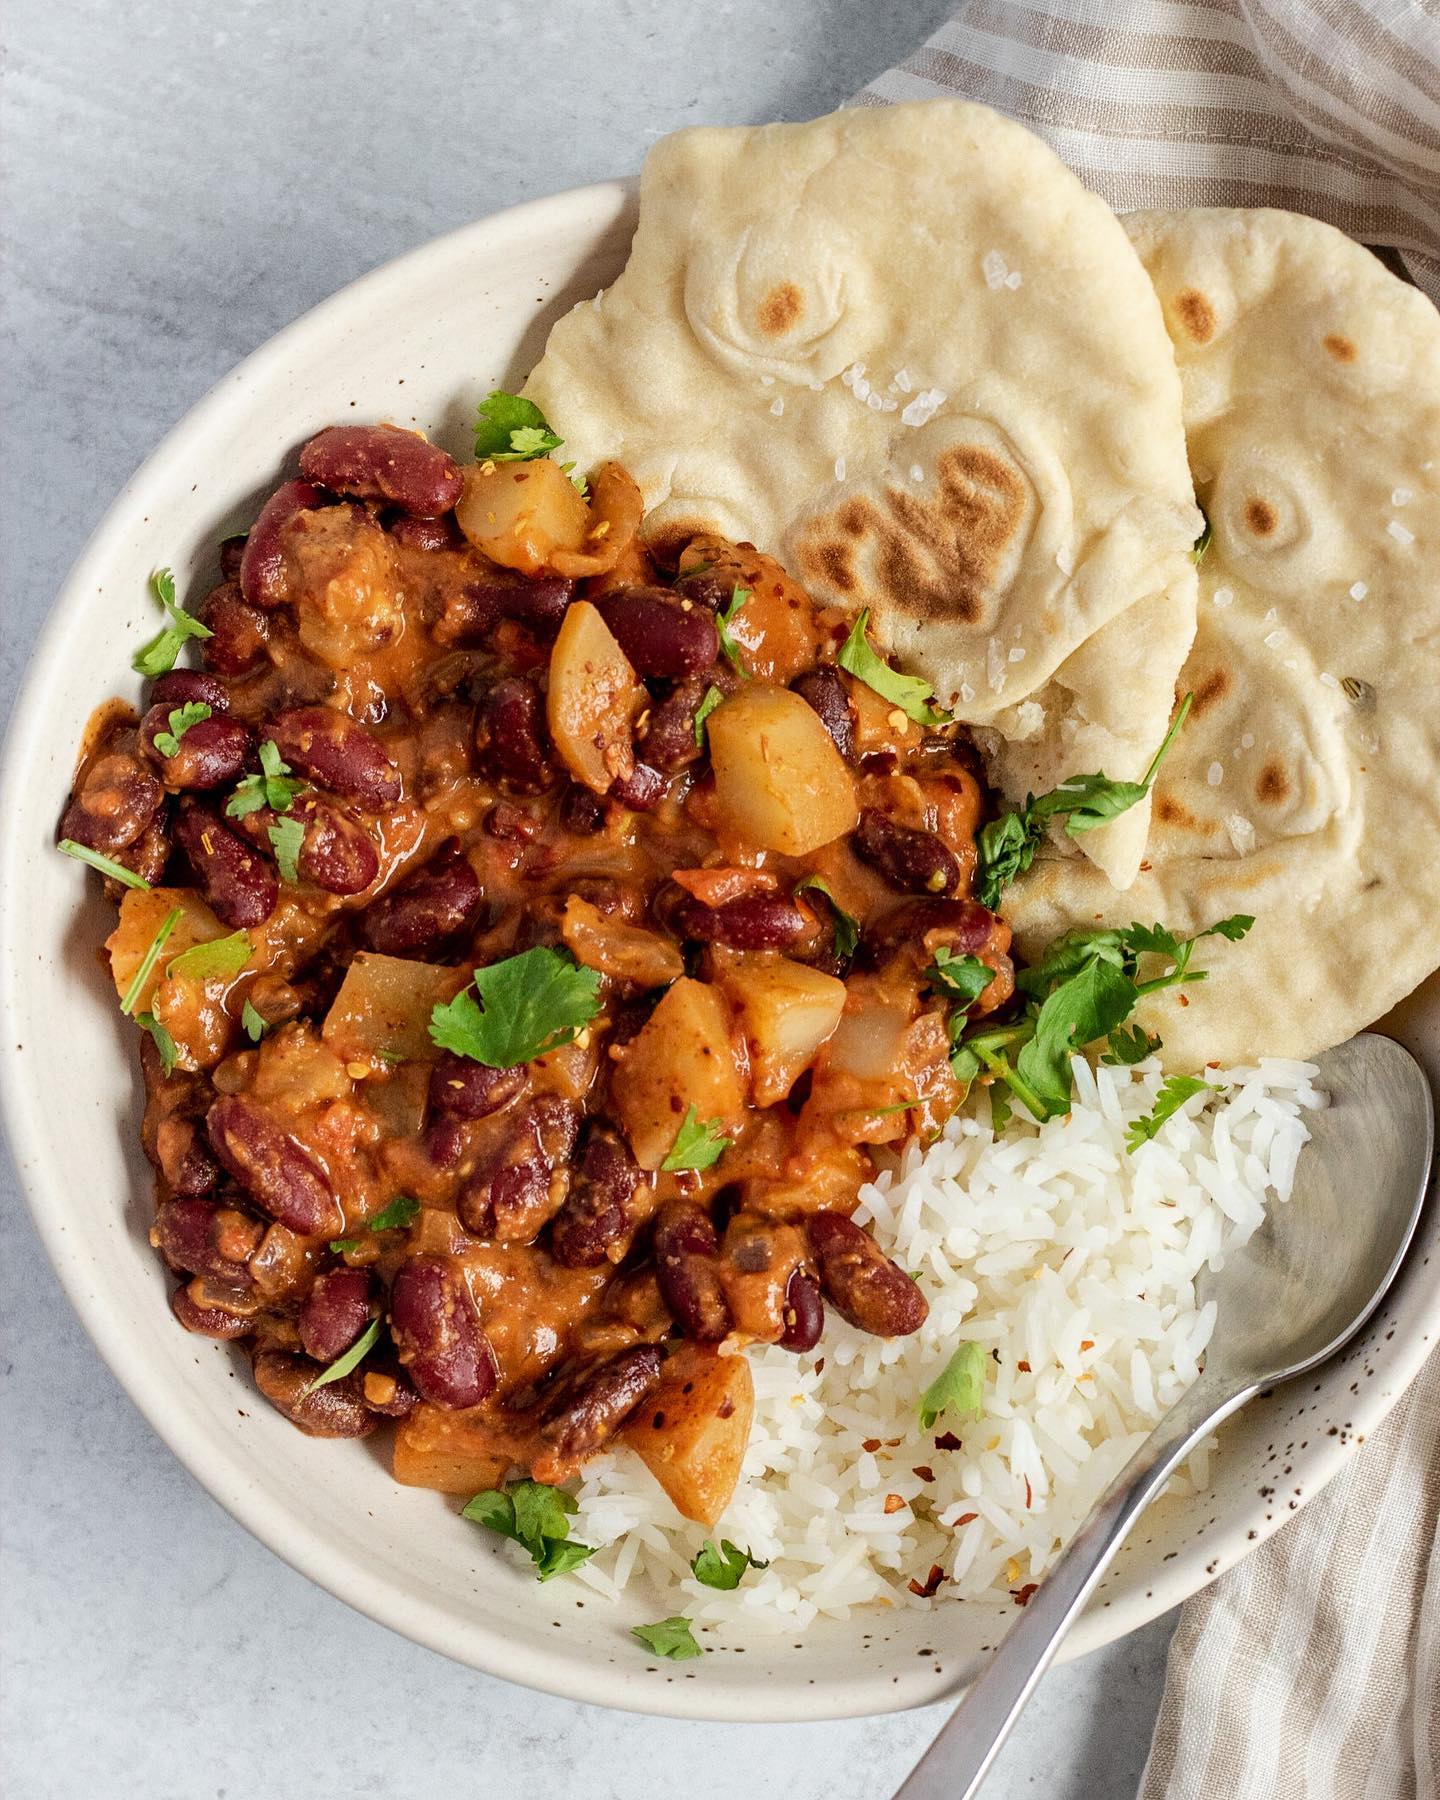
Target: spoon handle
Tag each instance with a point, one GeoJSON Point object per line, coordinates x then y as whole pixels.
{"type": "Point", "coordinates": [960, 1758]}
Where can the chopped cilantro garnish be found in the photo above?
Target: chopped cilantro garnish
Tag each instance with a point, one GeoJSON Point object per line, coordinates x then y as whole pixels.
{"type": "Point", "coordinates": [962, 978]}
{"type": "Point", "coordinates": [273, 787]}
{"type": "Point", "coordinates": [287, 840]}
{"type": "Point", "coordinates": [712, 699]}
{"type": "Point", "coordinates": [510, 429]}
{"type": "Point", "coordinates": [158, 656]}
{"type": "Point", "coordinates": [164, 1043]}
{"type": "Point", "coordinates": [220, 956]}
{"type": "Point", "coordinates": [253, 1023]}
{"type": "Point", "coordinates": [847, 927]}
{"type": "Point", "coordinates": [911, 693]}
{"type": "Point", "coordinates": [148, 961]}
{"type": "Point", "coordinates": [1175, 1090]}
{"type": "Point", "coordinates": [1007, 845]}
{"type": "Point", "coordinates": [351, 1359]}
{"type": "Point", "coordinates": [533, 1515]}
{"type": "Point", "coordinates": [1130, 1046]}
{"type": "Point", "coordinates": [724, 619]}
{"type": "Point", "coordinates": [671, 1637]}
{"type": "Point", "coordinates": [398, 1213]}
{"type": "Point", "coordinates": [723, 1568]}
{"type": "Point", "coordinates": [193, 712]}
{"type": "Point", "coordinates": [532, 1003]}
{"type": "Point", "coordinates": [959, 1388]}
{"type": "Point", "coordinates": [116, 871]}
{"type": "Point", "coordinates": [341, 1245]}
{"type": "Point", "coordinates": [698, 1144]}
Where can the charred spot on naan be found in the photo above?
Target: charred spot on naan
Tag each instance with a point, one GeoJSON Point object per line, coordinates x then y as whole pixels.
{"type": "Point", "coordinates": [1272, 785]}
{"type": "Point", "coordinates": [780, 309]}
{"type": "Point", "coordinates": [1170, 811]}
{"type": "Point", "coordinates": [1260, 516]}
{"type": "Point", "coordinates": [1210, 689]}
{"type": "Point", "coordinates": [1195, 315]}
{"type": "Point", "coordinates": [1340, 347]}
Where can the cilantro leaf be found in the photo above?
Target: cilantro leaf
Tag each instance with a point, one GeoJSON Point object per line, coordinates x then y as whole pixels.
{"type": "Point", "coordinates": [724, 619]}
{"type": "Point", "coordinates": [533, 1003]}
{"type": "Point", "coordinates": [533, 1515]}
{"type": "Point", "coordinates": [220, 956]}
{"type": "Point", "coordinates": [116, 871]}
{"type": "Point", "coordinates": [723, 1568]}
{"type": "Point", "coordinates": [958, 1388]}
{"type": "Point", "coordinates": [193, 712]}
{"type": "Point", "coordinates": [1087, 1006]}
{"type": "Point", "coordinates": [254, 1023]}
{"type": "Point", "coordinates": [164, 1043]}
{"type": "Point", "coordinates": [962, 978]}
{"type": "Point", "coordinates": [911, 693]}
{"type": "Point", "coordinates": [273, 787]}
{"type": "Point", "coordinates": [1130, 1046]}
{"type": "Point", "coordinates": [145, 967]}
{"type": "Point", "coordinates": [847, 927]}
{"type": "Point", "coordinates": [698, 1145]}
{"type": "Point", "coordinates": [158, 656]}
{"type": "Point", "coordinates": [510, 429]}
{"type": "Point", "coordinates": [712, 699]}
{"type": "Point", "coordinates": [350, 1359]}
{"type": "Point", "coordinates": [341, 1245]}
{"type": "Point", "coordinates": [1175, 1090]}
{"type": "Point", "coordinates": [1004, 850]}
{"type": "Point", "coordinates": [671, 1637]}
{"type": "Point", "coordinates": [399, 1213]}
{"type": "Point", "coordinates": [1202, 543]}
{"type": "Point", "coordinates": [287, 840]}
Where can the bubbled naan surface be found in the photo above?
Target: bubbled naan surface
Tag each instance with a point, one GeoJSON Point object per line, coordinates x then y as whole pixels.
{"type": "Point", "coordinates": [1305, 788]}
{"type": "Point", "coordinates": [905, 349]}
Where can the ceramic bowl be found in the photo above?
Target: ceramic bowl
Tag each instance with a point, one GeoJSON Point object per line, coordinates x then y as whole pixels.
{"type": "Point", "coordinates": [420, 342]}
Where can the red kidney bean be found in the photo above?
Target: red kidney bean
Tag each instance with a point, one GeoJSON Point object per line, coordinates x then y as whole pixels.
{"type": "Point", "coordinates": [425, 534]}
{"type": "Point", "coordinates": [667, 739]}
{"type": "Point", "coordinates": [687, 1260]}
{"type": "Point", "coordinates": [582, 812]}
{"type": "Point", "coordinates": [337, 854]}
{"type": "Point", "coordinates": [754, 922]}
{"type": "Point", "coordinates": [384, 1385]}
{"type": "Point", "coordinates": [706, 588]}
{"type": "Point", "coordinates": [516, 1190]}
{"type": "Point", "coordinates": [184, 1156]}
{"type": "Point", "coordinates": [804, 1312]}
{"type": "Point", "coordinates": [472, 612]}
{"type": "Point", "coordinates": [331, 748]}
{"type": "Point", "coordinates": [861, 1282]}
{"type": "Point", "coordinates": [210, 753]}
{"type": "Point", "coordinates": [115, 802]}
{"type": "Point", "coordinates": [917, 927]}
{"type": "Point", "coordinates": [610, 1198]}
{"type": "Point", "coordinates": [916, 862]}
{"type": "Point", "coordinates": [239, 632]}
{"type": "Point", "coordinates": [462, 1089]}
{"type": "Point", "coordinates": [239, 884]}
{"type": "Point", "coordinates": [336, 1410]}
{"type": "Point", "coordinates": [578, 1424]}
{"type": "Point", "coordinates": [661, 636]}
{"type": "Point", "coordinates": [431, 906]}
{"type": "Point", "coordinates": [209, 1321]}
{"type": "Point", "coordinates": [382, 462]}
{"type": "Point", "coordinates": [263, 578]}
{"type": "Point", "coordinates": [336, 1310]}
{"type": "Point", "coordinates": [232, 549]}
{"type": "Point", "coordinates": [279, 1176]}
{"type": "Point", "coordinates": [511, 738]}
{"type": "Point", "coordinates": [203, 1238]}
{"type": "Point", "coordinates": [641, 790]}
{"type": "Point", "coordinates": [181, 687]}
{"type": "Point", "coordinates": [437, 1333]}
{"type": "Point", "coordinates": [147, 856]}
{"type": "Point", "coordinates": [823, 691]}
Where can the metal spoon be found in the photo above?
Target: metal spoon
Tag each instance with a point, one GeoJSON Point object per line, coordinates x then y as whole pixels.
{"type": "Point", "coordinates": [1300, 1289]}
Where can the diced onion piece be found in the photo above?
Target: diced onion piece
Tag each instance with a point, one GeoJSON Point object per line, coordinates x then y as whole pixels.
{"type": "Point", "coordinates": [682, 1057]}
{"type": "Point", "coordinates": [616, 508]}
{"type": "Point", "coordinates": [780, 783]}
{"type": "Point", "coordinates": [521, 514]}
{"type": "Point", "coordinates": [624, 952]}
{"type": "Point", "coordinates": [593, 699]}
{"type": "Point", "coordinates": [786, 1011]}
{"type": "Point", "coordinates": [383, 1008]}
{"type": "Point", "coordinates": [692, 1430]}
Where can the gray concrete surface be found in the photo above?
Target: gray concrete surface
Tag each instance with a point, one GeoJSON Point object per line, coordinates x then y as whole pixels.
{"type": "Point", "coordinates": [180, 180]}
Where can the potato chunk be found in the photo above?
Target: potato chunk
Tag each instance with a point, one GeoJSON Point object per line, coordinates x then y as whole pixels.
{"type": "Point", "coordinates": [593, 699]}
{"type": "Point", "coordinates": [520, 514]}
{"type": "Point", "coordinates": [692, 1430]}
{"type": "Point", "coordinates": [786, 1011]}
{"type": "Point", "coordinates": [780, 782]}
{"type": "Point", "coordinates": [383, 1008]}
{"type": "Point", "coordinates": [683, 1056]}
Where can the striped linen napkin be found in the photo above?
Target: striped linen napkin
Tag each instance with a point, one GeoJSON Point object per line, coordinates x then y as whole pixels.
{"type": "Point", "coordinates": [1311, 1671]}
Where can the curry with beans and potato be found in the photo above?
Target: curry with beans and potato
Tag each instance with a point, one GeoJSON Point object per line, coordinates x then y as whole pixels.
{"type": "Point", "coordinates": [532, 947]}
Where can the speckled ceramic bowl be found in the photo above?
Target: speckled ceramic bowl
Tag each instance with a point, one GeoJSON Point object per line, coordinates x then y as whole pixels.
{"type": "Point", "coordinates": [422, 340]}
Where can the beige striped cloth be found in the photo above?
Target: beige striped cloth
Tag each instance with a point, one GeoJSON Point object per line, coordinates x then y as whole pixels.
{"type": "Point", "coordinates": [1311, 1671]}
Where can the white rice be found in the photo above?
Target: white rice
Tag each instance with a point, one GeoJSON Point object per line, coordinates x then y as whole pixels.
{"type": "Point", "coordinates": [1069, 1259]}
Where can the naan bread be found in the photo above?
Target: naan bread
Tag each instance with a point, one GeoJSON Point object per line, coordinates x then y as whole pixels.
{"type": "Point", "coordinates": [905, 349]}
{"type": "Point", "coordinates": [1305, 788]}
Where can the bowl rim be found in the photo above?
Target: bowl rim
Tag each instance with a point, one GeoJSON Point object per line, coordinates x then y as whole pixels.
{"type": "Point", "coordinates": [222, 1467]}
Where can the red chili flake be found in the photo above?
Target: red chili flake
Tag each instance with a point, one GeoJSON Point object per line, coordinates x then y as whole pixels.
{"type": "Point", "coordinates": [820, 1366]}
{"type": "Point", "coordinates": [1087, 1343]}
{"type": "Point", "coordinates": [924, 1471]}
{"type": "Point", "coordinates": [949, 1441]}
{"type": "Point", "coordinates": [964, 1519]}
{"type": "Point", "coordinates": [871, 1444]}
{"type": "Point", "coordinates": [1023, 1367]}
{"type": "Point", "coordinates": [1027, 1490]}
{"type": "Point", "coordinates": [1021, 1596]}
{"type": "Point", "coordinates": [894, 1503]}
{"type": "Point", "coordinates": [926, 1588]}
